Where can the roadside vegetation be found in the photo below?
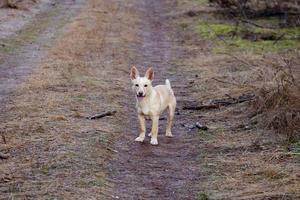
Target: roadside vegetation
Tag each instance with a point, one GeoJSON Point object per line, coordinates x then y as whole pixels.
{"type": "Point", "coordinates": [265, 27]}
{"type": "Point", "coordinates": [268, 32]}
{"type": "Point", "coordinates": [237, 49]}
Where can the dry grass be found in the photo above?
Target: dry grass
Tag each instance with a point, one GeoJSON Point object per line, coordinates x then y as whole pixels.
{"type": "Point", "coordinates": [55, 151]}
{"type": "Point", "coordinates": [249, 162]}
{"type": "Point", "coordinates": [242, 157]}
{"type": "Point", "coordinates": [278, 96]}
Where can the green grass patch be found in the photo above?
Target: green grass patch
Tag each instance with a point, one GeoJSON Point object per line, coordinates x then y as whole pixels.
{"type": "Point", "coordinates": [202, 196]}
{"type": "Point", "coordinates": [45, 170]}
{"type": "Point", "coordinates": [231, 38]}
{"type": "Point", "coordinates": [291, 33]}
{"type": "Point", "coordinates": [210, 31]}
{"type": "Point", "coordinates": [100, 182]}
{"type": "Point", "coordinates": [202, 1]}
{"type": "Point", "coordinates": [205, 135]}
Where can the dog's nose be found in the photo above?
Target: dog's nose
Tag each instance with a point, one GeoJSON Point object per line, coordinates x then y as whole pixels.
{"type": "Point", "coordinates": [140, 94]}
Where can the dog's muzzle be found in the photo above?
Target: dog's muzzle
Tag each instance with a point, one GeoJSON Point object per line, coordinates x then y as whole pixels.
{"type": "Point", "coordinates": [140, 94]}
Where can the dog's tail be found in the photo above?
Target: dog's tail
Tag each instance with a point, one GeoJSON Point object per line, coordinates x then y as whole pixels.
{"type": "Point", "coordinates": [168, 84]}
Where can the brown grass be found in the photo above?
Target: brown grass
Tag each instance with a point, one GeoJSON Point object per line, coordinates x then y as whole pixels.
{"type": "Point", "coordinates": [278, 99]}
{"type": "Point", "coordinates": [55, 151]}
{"type": "Point", "coordinates": [242, 157]}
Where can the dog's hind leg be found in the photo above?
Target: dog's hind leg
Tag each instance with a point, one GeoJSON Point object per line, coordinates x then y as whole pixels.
{"type": "Point", "coordinates": [143, 129]}
{"type": "Point", "coordinates": [172, 107]}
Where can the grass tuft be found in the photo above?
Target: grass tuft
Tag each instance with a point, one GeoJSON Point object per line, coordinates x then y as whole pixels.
{"type": "Point", "coordinates": [203, 196]}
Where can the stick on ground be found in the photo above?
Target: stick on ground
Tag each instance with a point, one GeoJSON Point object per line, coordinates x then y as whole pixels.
{"type": "Point", "coordinates": [216, 103]}
{"type": "Point", "coordinates": [201, 107]}
{"type": "Point", "coordinates": [3, 138]}
{"type": "Point", "coordinates": [101, 115]}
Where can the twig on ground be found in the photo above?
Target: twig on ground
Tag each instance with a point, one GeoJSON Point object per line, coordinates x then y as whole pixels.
{"type": "Point", "coordinates": [196, 125]}
{"type": "Point", "coordinates": [201, 126]}
{"type": "Point", "coordinates": [101, 115]}
{"type": "Point", "coordinates": [3, 138]}
{"type": "Point", "coordinates": [110, 149]}
{"type": "Point", "coordinates": [292, 153]}
{"type": "Point", "coordinates": [252, 23]}
{"type": "Point", "coordinates": [279, 38]}
{"type": "Point", "coordinates": [201, 107]}
{"type": "Point", "coordinates": [216, 103]}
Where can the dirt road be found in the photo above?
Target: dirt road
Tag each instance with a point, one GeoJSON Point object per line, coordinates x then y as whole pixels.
{"type": "Point", "coordinates": [167, 171]}
{"type": "Point", "coordinates": [79, 67]}
{"type": "Point", "coordinates": [29, 47]}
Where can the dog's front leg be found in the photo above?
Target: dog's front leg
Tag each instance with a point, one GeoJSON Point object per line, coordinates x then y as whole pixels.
{"type": "Point", "coordinates": [154, 131]}
{"type": "Point", "coordinates": [142, 129]}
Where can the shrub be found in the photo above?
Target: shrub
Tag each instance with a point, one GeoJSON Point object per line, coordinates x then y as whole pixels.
{"type": "Point", "coordinates": [278, 102]}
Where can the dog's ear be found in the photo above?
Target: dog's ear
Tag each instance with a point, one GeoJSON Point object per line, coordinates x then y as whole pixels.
{"type": "Point", "coordinates": [134, 73]}
{"type": "Point", "coordinates": [150, 74]}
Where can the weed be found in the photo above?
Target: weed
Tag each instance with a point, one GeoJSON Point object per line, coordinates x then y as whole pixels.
{"type": "Point", "coordinates": [204, 135]}
{"type": "Point", "coordinates": [44, 169]}
{"type": "Point", "coordinates": [295, 147]}
{"type": "Point", "coordinates": [203, 196]}
{"type": "Point", "coordinates": [183, 25]}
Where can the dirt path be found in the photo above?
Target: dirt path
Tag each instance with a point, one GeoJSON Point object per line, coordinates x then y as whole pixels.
{"type": "Point", "coordinates": [29, 47]}
{"type": "Point", "coordinates": [167, 171]}
{"type": "Point", "coordinates": [55, 152]}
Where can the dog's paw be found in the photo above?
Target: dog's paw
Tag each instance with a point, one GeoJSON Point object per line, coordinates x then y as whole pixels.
{"type": "Point", "coordinates": [139, 139]}
{"type": "Point", "coordinates": [169, 134]}
{"type": "Point", "coordinates": [149, 134]}
{"type": "Point", "coordinates": [154, 141]}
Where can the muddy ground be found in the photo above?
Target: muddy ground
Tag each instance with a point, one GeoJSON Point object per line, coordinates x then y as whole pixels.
{"type": "Point", "coordinates": [77, 64]}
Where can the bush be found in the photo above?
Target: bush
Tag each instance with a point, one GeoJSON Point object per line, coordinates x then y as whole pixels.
{"type": "Point", "coordinates": [278, 101]}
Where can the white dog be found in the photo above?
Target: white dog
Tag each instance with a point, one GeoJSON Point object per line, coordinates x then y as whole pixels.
{"type": "Point", "coordinates": [152, 101]}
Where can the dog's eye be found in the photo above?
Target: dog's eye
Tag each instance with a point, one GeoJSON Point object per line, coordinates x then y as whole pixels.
{"type": "Point", "coordinates": [137, 85]}
{"type": "Point", "coordinates": [146, 85]}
